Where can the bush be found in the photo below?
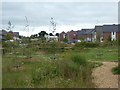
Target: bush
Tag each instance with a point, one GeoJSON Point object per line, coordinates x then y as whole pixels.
{"type": "Point", "coordinates": [110, 43]}
{"type": "Point", "coordinates": [71, 64]}
{"type": "Point", "coordinates": [116, 70]}
{"type": "Point", "coordinates": [75, 67]}
{"type": "Point", "coordinates": [45, 72]}
{"type": "Point", "coordinates": [86, 44]}
{"type": "Point", "coordinates": [53, 47]}
{"type": "Point", "coordinates": [78, 59]}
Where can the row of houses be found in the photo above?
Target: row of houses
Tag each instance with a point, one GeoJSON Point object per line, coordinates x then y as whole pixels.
{"type": "Point", "coordinates": [4, 33]}
{"type": "Point", "coordinates": [99, 33]}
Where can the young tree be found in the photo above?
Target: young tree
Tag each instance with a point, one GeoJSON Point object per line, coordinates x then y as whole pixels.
{"type": "Point", "coordinates": [10, 26]}
{"type": "Point", "coordinates": [98, 37]}
{"type": "Point", "coordinates": [53, 32]}
{"type": "Point", "coordinates": [53, 25]}
{"type": "Point", "coordinates": [9, 36]}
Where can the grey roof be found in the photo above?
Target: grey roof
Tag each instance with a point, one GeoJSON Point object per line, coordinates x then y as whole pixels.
{"type": "Point", "coordinates": [84, 32]}
{"type": "Point", "coordinates": [99, 28]}
{"type": "Point", "coordinates": [110, 28]}
{"type": "Point", "coordinates": [107, 28]}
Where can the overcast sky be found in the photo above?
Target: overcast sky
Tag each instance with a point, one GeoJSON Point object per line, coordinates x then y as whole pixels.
{"type": "Point", "coordinates": [67, 15]}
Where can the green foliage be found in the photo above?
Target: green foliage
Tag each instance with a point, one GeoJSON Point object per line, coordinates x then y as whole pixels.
{"type": "Point", "coordinates": [9, 36]}
{"type": "Point", "coordinates": [116, 70]}
{"type": "Point", "coordinates": [98, 36]}
{"type": "Point", "coordinates": [65, 40]}
{"type": "Point", "coordinates": [109, 43]}
{"type": "Point", "coordinates": [78, 59]}
{"type": "Point", "coordinates": [25, 40]}
{"type": "Point", "coordinates": [43, 73]}
{"type": "Point", "coordinates": [52, 47]}
{"type": "Point", "coordinates": [109, 39]}
{"type": "Point", "coordinates": [8, 46]}
{"type": "Point", "coordinates": [86, 44]}
{"type": "Point", "coordinates": [70, 69]}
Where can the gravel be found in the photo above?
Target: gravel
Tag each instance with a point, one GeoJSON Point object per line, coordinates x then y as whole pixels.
{"type": "Point", "coordinates": [103, 77]}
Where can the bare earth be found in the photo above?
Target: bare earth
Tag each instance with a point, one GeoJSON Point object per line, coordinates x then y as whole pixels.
{"type": "Point", "coordinates": [103, 77]}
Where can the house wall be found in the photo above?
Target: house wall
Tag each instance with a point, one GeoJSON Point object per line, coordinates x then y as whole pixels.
{"type": "Point", "coordinates": [89, 37]}
{"type": "Point", "coordinates": [106, 35]}
{"type": "Point", "coordinates": [113, 36]}
{"type": "Point", "coordinates": [62, 36]}
{"type": "Point", "coordinates": [72, 36]}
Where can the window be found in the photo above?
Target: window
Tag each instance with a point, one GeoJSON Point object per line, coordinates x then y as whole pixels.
{"type": "Point", "coordinates": [74, 34]}
{"type": "Point", "coordinates": [113, 33]}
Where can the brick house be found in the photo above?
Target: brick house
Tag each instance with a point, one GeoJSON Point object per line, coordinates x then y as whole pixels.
{"type": "Point", "coordinates": [62, 36]}
{"type": "Point", "coordinates": [106, 32]}
{"type": "Point", "coordinates": [4, 33]}
{"type": "Point", "coordinates": [99, 33]}
{"type": "Point", "coordinates": [86, 35]}
{"type": "Point", "coordinates": [110, 31]}
{"type": "Point", "coordinates": [71, 36]}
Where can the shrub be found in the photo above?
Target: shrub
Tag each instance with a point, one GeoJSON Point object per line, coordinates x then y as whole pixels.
{"type": "Point", "coordinates": [43, 73]}
{"type": "Point", "coordinates": [86, 44]}
{"type": "Point", "coordinates": [116, 70]}
{"type": "Point", "coordinates": [78, 59]}
{"type": "Point", "coordinates": [71, 64]}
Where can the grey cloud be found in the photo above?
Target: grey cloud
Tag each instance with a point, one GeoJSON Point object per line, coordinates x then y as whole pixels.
{"type": "Point", "coordinates": [64, 13]}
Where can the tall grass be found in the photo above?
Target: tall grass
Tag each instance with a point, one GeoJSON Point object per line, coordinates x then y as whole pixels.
{"type": "Point", "coordinates": [78, 59]}
{"type": "Point", "coordinates": [69, 71]}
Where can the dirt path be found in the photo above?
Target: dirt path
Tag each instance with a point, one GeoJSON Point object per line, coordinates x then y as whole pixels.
{"type": "Point", "coordinates": [103, 77]}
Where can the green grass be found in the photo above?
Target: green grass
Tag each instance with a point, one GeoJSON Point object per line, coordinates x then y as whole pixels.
{"type": "Point", "coordinates": [101, 54]}
{"type": "Point", "coordinates": [70, 68]}
{"type": "Point", "coordinates": [41, 71]}
{"type": "Point", "coordinates": [116, 70]}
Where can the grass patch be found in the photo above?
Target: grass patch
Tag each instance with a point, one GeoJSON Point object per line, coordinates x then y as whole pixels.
{"type": "Point", "coordinates": [70, 69]}
{"type": "Point", "coordinates": [116, 70]}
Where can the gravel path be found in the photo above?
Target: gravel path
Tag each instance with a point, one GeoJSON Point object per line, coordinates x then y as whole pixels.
{"type": "Point", "coordinates": [103, 77]}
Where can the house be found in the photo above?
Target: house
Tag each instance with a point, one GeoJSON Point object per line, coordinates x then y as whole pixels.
{"type": "Point", "coordinates": [3, 34]}
{"type": "Point", "coordinates": [62, 36]}
{"type": "Point", "coordinates": [51, 38]}
{"type": "Point", "coordinates": [71, 36]}
{"type": "Point", "coordinates": [110, 31]}
{"type": "Point", "coordinates": [99, 33]}
{"type": "Point", "coordinates": [16, 35]}
{"type": "Point", "coordinates": [87, 35]}
{"type": "Point", "coordinates": [106, 32]}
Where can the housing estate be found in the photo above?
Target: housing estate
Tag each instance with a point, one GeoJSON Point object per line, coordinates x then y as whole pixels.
{"type": "Point", "coordinates": [4, 33]}
{"type": "Point", "coordinates": [99, 33]}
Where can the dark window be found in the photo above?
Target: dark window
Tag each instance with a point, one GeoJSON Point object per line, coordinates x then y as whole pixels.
{"type": "Point", "coordinates": [113, 33]}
